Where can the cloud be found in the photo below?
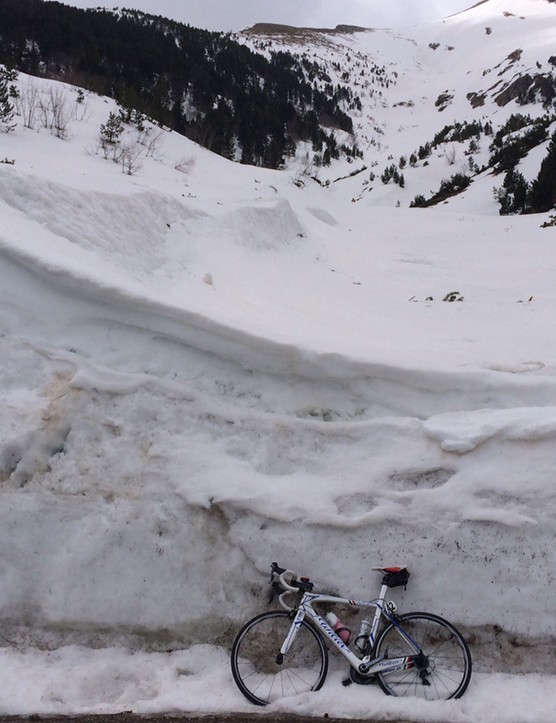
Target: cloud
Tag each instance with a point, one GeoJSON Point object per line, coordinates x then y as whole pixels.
{"type": "Point", "coordinates": [238, 14]}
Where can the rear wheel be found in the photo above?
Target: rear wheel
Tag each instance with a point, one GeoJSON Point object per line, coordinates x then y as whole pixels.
{"type": "Point", "coordinates": [441, 672]}
{"type": "Point", "coordinates": [262, 674]}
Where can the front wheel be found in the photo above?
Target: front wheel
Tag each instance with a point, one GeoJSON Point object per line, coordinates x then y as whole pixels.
{"type": "Point", "coordinates": [442, 669]}
{"type": "Point", "coordinates": [262, 674]}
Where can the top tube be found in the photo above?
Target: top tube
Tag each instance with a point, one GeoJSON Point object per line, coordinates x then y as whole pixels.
{"type": "Point", "coordinates": [314, 597]}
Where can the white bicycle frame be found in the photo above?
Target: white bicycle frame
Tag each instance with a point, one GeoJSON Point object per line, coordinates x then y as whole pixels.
{"type": "Point", "coordinates": [367, 665]}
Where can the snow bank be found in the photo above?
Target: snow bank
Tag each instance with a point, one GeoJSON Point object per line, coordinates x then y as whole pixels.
{"type": "Point", "coordinates": [74, 680]}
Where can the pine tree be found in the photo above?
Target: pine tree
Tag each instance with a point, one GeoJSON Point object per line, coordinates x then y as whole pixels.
{"type": "Point", "coordinates": [6, 108]}
{"type": "Point", "coordinates": [542, 196]}
{"type": "Point", "coordinates": [512, 197]}
{"type": "Point", "coordinates": [110, 133]}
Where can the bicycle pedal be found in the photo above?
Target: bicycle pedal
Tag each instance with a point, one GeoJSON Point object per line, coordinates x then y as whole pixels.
{"type": "Point", "coordinates": [346, 682]}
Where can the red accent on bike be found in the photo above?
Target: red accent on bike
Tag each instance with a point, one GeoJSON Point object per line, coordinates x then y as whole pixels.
{"type": "Point", "coordinates": [391, 569]}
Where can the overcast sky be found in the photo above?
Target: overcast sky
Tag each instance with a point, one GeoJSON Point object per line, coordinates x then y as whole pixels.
{"type": "Point", "coordinates": [239, 14]}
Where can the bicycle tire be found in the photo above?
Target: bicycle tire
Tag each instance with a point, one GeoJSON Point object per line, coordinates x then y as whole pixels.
{"type": "Point", "coordinates": [255, 669]}
{"type": "Point", "coordinates": [448, 668]}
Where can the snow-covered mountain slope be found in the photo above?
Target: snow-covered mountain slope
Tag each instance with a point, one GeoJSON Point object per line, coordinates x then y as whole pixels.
{"type": "Point", "coordinates": [470, 68]}
{"type": "Point", "coordinates": [208, 366]}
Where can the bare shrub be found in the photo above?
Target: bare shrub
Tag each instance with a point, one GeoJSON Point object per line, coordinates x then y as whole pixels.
{"type": "Point", "coordinates": [185, 164]}
{"type": "Point", "coordinates": [151, 138]}
{"type": "Point", "coordinates": [45, 109]}
{"type": "Point", "coordinates": [80, 108]}
{"type": "Point", "coordinates": [129, 157]}
{"type": "Point", "coordinates": [28, 104]}
{"type": "Point", "coordinates": [57, 112]}
{"type": "Point", "coordinates": [450, 154]}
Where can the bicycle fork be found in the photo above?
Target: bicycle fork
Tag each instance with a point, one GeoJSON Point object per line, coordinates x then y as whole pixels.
{"type": "Point", "coordinates": [290, 637]}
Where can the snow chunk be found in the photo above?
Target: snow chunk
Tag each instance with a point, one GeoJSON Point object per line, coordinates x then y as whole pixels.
{"type": "Point", "coordinates": [462, 432]}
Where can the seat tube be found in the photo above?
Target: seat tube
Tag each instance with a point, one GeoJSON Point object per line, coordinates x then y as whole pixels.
{"type": "Point", "coordinates": [378, 611]}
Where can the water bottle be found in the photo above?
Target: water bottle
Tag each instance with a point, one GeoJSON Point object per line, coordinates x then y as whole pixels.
{"type": "Point", "coordinates": [339, 628]}
{"type": "Point", "coordinates": [363, 638]}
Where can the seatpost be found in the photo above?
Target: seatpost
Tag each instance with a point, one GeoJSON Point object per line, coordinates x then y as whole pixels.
{"type": "Point", "coordinates": [383, 591]}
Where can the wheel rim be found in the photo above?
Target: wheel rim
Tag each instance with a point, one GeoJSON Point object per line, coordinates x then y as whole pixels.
{"type": "Point", "coordinates": [255, 660]}
{"type": "Point", "coordinates": [447, 667]}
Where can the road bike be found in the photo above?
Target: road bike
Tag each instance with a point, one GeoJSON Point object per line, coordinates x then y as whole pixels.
{"type": "Point", "coordinates": [283, 652]}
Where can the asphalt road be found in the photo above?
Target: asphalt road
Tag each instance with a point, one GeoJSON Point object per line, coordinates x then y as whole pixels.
{"type": "Point", "coordinates": [189, 718]}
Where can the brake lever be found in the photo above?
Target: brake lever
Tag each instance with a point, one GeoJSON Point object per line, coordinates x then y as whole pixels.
{"type": "Point", "coordinates": [276, 569]}
{"type": "Point", "coordinates": [276, 588]}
